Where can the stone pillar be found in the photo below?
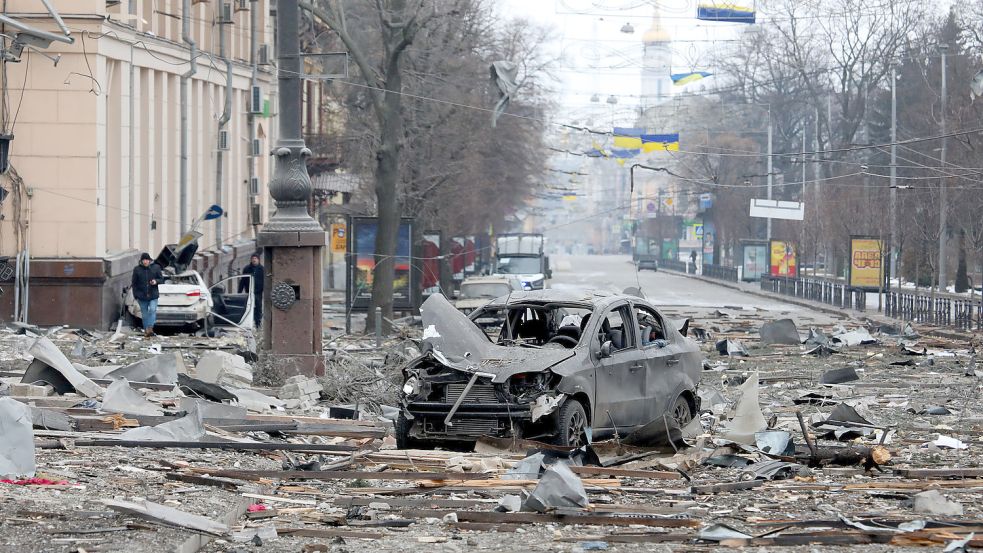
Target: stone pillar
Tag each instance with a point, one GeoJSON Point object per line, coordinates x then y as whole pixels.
{"type": "Point", "coordinates": [292, 239]}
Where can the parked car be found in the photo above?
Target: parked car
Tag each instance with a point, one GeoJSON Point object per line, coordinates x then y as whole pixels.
{"type": "Point", "coordinates": [562, 362]}
{"type": "Point", "coordinates": [186, 301]}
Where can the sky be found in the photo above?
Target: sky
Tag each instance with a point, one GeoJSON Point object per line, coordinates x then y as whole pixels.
{"type": "Point", "coordinates": [599, 58]}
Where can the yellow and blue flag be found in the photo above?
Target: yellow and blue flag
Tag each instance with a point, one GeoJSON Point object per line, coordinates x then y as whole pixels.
{"type": "Point", "coordinates": [725, 13]}
{"type": "Point", "coordinates": [680, 79]}
{"type": "Point", "coordinates": [628, 138]}
{"type": "Point", "coordinates": [660, 142]}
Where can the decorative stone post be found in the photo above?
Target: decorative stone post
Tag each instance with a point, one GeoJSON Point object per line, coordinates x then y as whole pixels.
{"type": "Point", "coordinates": [292, 239]}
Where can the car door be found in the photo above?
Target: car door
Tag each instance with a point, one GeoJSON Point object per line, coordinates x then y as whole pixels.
{"type": "Point", "coordinates": [229, 305]}
{"type": "Point", "coordinates": [664, 360]}
{"type": "Point", "coordinates": [619, 395]}
{"type": "Point", "coordinates": [662, 356]}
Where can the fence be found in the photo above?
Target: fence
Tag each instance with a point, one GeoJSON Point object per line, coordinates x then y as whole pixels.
{"type": "Point", "coordinates": [935, 309]}
{"type": "Point", "coordinates": [829, 292]}
{"type": "Point", "coordinates": [676, 265]}
{"type": "Point", "coordinates": [720, 272]}
{"type": "Point", "coordinates": [924, 307]}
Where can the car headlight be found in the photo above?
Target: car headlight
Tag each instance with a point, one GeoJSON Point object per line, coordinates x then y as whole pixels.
{"type": "Point", "coordinates": [411, 386]}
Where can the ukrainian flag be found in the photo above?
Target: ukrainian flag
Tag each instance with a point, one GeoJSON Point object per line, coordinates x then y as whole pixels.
{"type": "Point", "coordinates": [680, 79]}
{"type": "Point", "coordinates": [660, 142]}
{"type": "Point", "coordinates": [628, 138]}
{"type": "Point", "coordinates": [725, 13]}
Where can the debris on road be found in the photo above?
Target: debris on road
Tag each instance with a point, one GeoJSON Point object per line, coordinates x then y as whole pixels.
{"type": "Point", "coordinates": [207, 452]}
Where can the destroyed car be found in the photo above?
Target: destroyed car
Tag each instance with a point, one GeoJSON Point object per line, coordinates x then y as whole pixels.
{"type": "Point", "coordinates": [565, 367]}
{"type": "Point", "coordinates": [186, 301]}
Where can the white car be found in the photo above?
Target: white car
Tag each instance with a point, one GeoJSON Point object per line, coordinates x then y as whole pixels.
{"type": "Point", "coordinates": [187, 301]}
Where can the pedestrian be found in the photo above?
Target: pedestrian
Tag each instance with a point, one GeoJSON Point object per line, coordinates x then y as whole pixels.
{"type": "Point", "coordinates": [692, 258]}
{"type": "Point", "coordinates": [147, 276]}
{"type": "Point", "coordinates": [255, 270]}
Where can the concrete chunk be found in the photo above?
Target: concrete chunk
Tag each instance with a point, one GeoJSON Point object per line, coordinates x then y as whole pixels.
{"type": "Point", "coordinates": [220, 367]}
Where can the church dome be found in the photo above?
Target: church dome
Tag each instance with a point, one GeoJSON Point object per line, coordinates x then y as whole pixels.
{"type": "Point", "coordinates": [656, 32]}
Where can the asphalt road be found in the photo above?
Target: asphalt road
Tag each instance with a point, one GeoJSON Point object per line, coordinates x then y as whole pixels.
{"type": "Point", "coordinates": [663, 288]}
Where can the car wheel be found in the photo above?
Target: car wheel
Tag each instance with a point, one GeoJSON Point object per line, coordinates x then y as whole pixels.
{"type": "Point", "coordinates": [572, 425]}
{"type": "Point", "coordinates": [681, 411]}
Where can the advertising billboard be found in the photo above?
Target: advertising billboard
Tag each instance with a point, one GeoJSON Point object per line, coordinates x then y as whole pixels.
{"type": "Point", "coordinates": [430, 262]}
{"type": "Point", "coordinates": [755, 261]}
{"type": "Point", "coordinates": [362, 263]}
{"type": "Point", "coordinates": [866, 262]}
{"type": "Point", "coordinates": [783, 262]}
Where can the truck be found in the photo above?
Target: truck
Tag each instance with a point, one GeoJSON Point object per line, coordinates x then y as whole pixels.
{"type": "Point", "coordinates": [646, 253]}
{"type": "Point", "coordinates": [521, 255]}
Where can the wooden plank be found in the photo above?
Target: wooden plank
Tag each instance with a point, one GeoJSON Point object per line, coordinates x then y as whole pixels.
{"type": "Point", "coordinates": [328, 533]}
{"type": "Point", "coordinates": [343, 475]}
{"type": "Point", "coordinates": [538, 518]}
{"type": "Point", "coordinates": [246, 446]}
{"type": "Point", "coordinates": [203, 480]}
{"type": "Point", "coordinates": [940, 473]}
{"type": "Point", "coordinates": [627, 473]}
{"type": "Point", "coordinates": [726, 487]}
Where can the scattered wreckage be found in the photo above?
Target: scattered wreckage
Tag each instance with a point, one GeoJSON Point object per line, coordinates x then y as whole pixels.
{"type": "Point", "coordinates": [564, 367]}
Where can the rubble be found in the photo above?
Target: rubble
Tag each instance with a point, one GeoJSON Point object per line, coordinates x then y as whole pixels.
{"type": "Point", "coordinates": [869, 464]}
{"type": "Point", "coordinates": [223, 368]}
{"type": "Point", "coordinates": [300, 392]}
{"type": "Point", "coordinates": [17, 435]}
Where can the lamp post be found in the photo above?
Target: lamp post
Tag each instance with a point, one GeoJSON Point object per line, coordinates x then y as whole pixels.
{"type": "Point", "coordinates": [943, 214]}
{"type": "Point", "coordinates": [291, 239]}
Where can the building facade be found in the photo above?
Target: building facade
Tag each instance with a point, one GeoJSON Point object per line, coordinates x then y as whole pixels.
{"type": "Point", "coordinates": [96, 156]}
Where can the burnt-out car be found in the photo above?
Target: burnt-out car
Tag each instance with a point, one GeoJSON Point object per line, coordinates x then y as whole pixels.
{"type": "Point", "coordinates": [562, 365]}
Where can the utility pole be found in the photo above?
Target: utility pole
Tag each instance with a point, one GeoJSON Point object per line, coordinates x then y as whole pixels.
{"type": "Point", "coordinates": [770, 176]}
{"type": "Point", "coordinates": [894, 170]}
{"type": "Point", "coordinates": [292, 239]}
{"type": "Point", "coordinates": [943, 215]}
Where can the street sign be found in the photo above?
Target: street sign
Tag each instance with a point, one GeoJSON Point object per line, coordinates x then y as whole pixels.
{"type": "Point", "coordinates": [339, 238]}
{"type": "Point", "coordinates": [776, 209]}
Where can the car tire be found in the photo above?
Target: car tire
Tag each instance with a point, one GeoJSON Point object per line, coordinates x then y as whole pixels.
{"type": "Point", "coordinates": [681, 411]}
{"type": "Point", "coordinates": [571, 423]}
{"type": "Point", "coordinates": [403, 439]}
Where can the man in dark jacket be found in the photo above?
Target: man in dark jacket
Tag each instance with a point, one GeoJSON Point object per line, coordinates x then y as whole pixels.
{"type": "Point", "coordinates": [146, 277]}
{"type": "Point", "coordinates": [255, 270]}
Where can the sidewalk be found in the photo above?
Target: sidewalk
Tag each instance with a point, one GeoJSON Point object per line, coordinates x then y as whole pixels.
{"type": "Point", "coordinates": [871, 316]}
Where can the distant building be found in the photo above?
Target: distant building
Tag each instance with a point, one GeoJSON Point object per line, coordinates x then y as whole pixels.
{"type": "Point", "coordinates": [656, 64]}
{"type": "Point", "coordinates": [96, 149]}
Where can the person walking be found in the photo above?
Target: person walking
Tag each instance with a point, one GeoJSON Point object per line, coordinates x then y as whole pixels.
{"type": "Point", "coordinates": [254, 269]}
{"type": "Point", "coordinates": [147, 276]}
{"type": "Point", "coordinates": [692, 258]}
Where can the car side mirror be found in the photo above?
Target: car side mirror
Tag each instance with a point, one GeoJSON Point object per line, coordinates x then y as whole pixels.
{"type": "Point", "coordinates": [605, 350]}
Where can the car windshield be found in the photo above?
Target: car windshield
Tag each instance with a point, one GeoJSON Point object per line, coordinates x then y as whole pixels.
{"type": "Point", "coordinates": [489, 290]}
{"type": "Point", "coordinates": [519, 265]}
{"type": "Point", "coordinates": [542, 325]}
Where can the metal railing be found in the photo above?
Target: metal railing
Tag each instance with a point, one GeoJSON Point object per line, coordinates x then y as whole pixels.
{"type": "Point", "coordinates": [720, 272]}
{"type": "Point", "coordinates": [676, 265]}
{"type": "Point", "coordinates": [830, 292]}
{"type": "Point", "coordinates": [935, 309]}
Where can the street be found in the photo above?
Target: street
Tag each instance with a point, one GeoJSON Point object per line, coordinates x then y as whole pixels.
{"type": "Point", "coordinates": [676, 293]}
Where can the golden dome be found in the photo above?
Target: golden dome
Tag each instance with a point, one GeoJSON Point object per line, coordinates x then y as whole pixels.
{"type": "Point", "coordinates": [656, 32]}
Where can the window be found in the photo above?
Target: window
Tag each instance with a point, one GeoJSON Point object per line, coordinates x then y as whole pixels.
{"type": "Point", "coordinates": [651, 326]}
{"type": "Point", "coordinates": [615, 330]}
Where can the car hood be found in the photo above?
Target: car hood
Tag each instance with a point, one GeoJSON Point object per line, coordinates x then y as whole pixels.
{"type": "Point", "coordinates": [455, 341]}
